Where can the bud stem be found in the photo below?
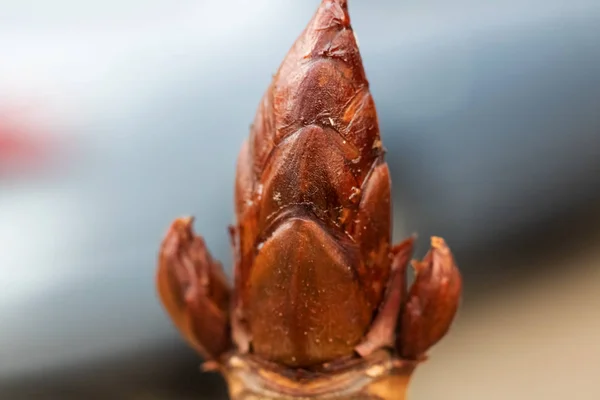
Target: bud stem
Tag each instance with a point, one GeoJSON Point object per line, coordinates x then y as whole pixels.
{"type": "Point", "coordinates": [381, 376]}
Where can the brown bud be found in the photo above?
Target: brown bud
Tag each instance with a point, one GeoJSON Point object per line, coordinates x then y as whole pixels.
{"type": "Point", "coordinates": [313, 204]}
{"type": "Point", "coordinates": [320, 308]}
{"type": "Point", "coordinates": [432, 301]}
{"type": "Point", "coordinates": [194, 290]}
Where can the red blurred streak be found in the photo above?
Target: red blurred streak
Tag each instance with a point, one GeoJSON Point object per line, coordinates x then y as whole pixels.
{"type": "Point", "coordinates": [22, 149]}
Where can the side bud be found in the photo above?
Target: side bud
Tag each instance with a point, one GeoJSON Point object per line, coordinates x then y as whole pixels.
{"type": "Point", "coordinates": [432, 301]}
{"type": "Point", "coordinates": [194, 290]}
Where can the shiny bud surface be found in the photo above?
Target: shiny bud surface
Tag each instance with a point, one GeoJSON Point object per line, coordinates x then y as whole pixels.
{"type": "Point", "coordinates": [319, 291]}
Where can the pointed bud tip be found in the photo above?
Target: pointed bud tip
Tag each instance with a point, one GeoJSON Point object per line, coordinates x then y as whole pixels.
{"type": "Point", "coordinates": [339, 9]}
{"type": "Point", "coordinates": [404, 245]}
{"type": "Point", "coordinates": [439, 244]}
{"type": "Point", "coordinates": [181, 228]}
{"type": "Point", "coordinates": [182, 224]}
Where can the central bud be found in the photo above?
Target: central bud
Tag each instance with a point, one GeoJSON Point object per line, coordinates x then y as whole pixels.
{"type": "Point", "coordinates": [313, 196]}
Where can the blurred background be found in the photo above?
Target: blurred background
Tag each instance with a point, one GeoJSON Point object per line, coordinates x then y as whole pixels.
{"type": "Point", "coordinates": [118, 116]}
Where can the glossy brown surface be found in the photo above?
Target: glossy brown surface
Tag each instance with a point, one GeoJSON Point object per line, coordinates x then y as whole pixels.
{"type": "Point", "coordinates": [318, 288]}
{"type": "Point", "coordinates": [313, 202]}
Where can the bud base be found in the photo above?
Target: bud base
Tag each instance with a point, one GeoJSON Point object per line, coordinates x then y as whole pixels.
{"type": "Point", "coordinates": [381, 376]}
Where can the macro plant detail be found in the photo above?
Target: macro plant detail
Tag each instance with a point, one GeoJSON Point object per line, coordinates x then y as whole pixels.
{"type": "Point", "coordinates": [319, 307]}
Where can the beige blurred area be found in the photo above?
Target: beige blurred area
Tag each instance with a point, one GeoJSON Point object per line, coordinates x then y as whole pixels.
{"type": "Point", "coordinates": [535, 337]}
